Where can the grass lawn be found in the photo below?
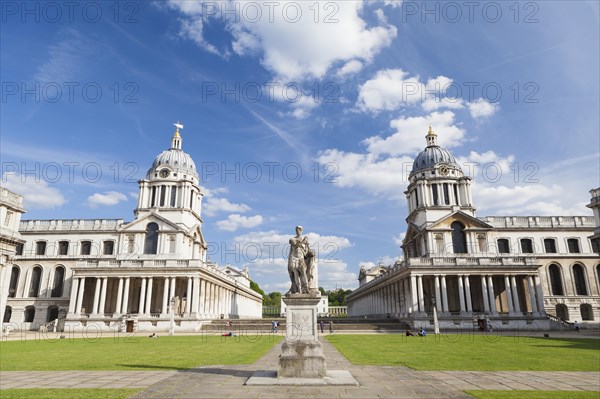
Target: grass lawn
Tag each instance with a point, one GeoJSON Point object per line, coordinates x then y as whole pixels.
{"type": "Point", "coordinates": [137, 353]}
{"type": "Point", "coordinates": [535, 394]}
{"type": "Point", "coordinates": [67, 393]}
{"type": "Point", "coordinates": [471, 352]}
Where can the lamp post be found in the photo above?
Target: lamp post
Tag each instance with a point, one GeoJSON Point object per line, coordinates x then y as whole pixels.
{"type": "Point", "coordinates": [436, 324]}
{"type": "Point", "coordinates": [171, 318]}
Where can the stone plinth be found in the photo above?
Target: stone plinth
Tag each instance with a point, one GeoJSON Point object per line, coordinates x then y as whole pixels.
{"type": "Point", "coordinates": [302, 353]}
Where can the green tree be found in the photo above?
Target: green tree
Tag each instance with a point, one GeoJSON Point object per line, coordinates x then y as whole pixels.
{"type": "Point", "coordinates": [256, 287]}
{"type": "Point", "coordinates": [273, 299]}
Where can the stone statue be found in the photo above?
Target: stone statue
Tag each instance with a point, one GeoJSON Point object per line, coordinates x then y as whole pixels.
{"type": "Point", "coordinates": [301, 265]}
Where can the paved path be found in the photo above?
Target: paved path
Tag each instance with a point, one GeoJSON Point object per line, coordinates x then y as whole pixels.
{"type": "Point", "coordinates": [376, 381]}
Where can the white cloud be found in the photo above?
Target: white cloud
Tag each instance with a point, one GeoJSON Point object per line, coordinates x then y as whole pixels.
{"type": "Point", "coordinates": [410, 134]}
{"type": "Point", "coordinates": [392, 89]}
{"type": "Point", "coordinates": [350, 68]}
{"type": "Point", "coordinates": [481, 108]}
{"type": "Point", "coordinates": [109, 198]}
{"type": "Point", "coordinates": [294, 49]}
{"type": "Point", "coordinates": [399, 239]}
{"type": "Point", "coordinates": [214, 205]}
{"type": "Point", "coordinates": [273, 245]}
{"type": "Point", "coordinates": [37, 193]}
{"type": "Point", "coordinates": [236, 221]}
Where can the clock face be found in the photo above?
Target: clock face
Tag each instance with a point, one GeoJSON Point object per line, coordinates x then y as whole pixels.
{"type": "Point", "coordinates": [444, 170]}
{"type": "Point", "coordinates": [165, 173]}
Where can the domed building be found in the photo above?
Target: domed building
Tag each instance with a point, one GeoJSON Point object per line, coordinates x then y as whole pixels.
{"type": "Point", "coordinates": [108, 274]}
{"type": "Point", "coordinates": [463, 271]}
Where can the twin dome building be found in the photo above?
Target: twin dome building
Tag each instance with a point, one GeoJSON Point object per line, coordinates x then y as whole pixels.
{"type": "Point", "coordinates": [509, 272]}
{"type": "Point", "coordinates": [117, 275]}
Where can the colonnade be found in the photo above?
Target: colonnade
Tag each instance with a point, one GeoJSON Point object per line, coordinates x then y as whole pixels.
{"type": "Point", "coordinates": [451, 294]}
{"type": "Point", "coordinates": [187, 296]}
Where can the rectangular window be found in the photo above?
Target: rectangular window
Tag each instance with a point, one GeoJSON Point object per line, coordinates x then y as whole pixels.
{"type": "Point", "coordinates": [526, 246]}
{"type": "Point", "coordinates": [503, 246]}
{"type": "Point", "coordinates": [434, 190]}
{"type": "Point", "coordinates": [86, 247]}
{"type": "Point", "coordinates": [63, 247]}
{"type": "Point", "coordinates": [192, 200]}
{"type": "Point", "coordinates": [130, 244]}
{"type": "Point", "coordinates": [19, 249]}
{"type": "Point", "coordinates": [456, 194]}
{"type": "Point", "coordinates": [550, 245]}
{"type": "Point", "coordinates": [573, 244]}
{"type": "Point", "coordinates": [153, 203]}
{"type": "Point", "coordinates": [173, 196]}
{"type": "Point", "coordinates": [163, 194]}
{"type": "Point", "coordinates": [40, 248]}
{"type": "Point", "coordinates": [416, 198]}
{"type": "Point", "coordinates": [108, 248]}
{"type": "Point", "coordinates": [446, 194]}
{"type": "Point", "coordinates": [8, 218]}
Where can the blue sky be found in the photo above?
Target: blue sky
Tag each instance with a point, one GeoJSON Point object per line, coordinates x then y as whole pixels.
{"type": "Point", "coordinates": [300, 113]}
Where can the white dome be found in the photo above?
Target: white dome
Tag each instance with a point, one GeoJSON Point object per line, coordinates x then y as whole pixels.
{"type": "Point", "coordinates": [173, 163]}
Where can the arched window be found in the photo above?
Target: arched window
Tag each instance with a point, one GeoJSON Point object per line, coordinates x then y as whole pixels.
{"type": "Point", "coordinates": [151, 242]}
{"type": "Point", "coordinates": [562, 312]}
{"type": "Point", "coordinates": [14, 282]}
{"type": "Point", "coordinates": [36, 279]}
{"type": "Point", "coordinates": [459, 242]}
{"type": "Point", "coordinates": [579, 277]}
{"type": "Point", "coordinates": [555, 280]}
{"type": "Point", "coordinates": [586, 311]}
{"type": "Point", "coordinates": [52, 313]}
{"type": "Point", "coordinates": [29, 314]}
{"type": "Point", "coordinates": [7, 314]}
{"type": "Point", "coordinates": [59, 278]}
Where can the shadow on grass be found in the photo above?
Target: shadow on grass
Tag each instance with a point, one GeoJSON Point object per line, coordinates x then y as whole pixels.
{"type": "Point", "coordinates": [576, 343]}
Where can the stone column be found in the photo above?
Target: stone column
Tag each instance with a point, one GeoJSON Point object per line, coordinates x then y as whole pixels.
{"type": "Point", "coordinates": [511, 309]}
{"type": "Point", "coordinates": [119, 296]}
{"type": "Point", "coordinates": [202, 307]}
{"type": "Point", "coordinates": [211, 299]}
{"type": "Point", "coordinates": [96, 296]}
{"type": "Point", "coordinates": [532, 299]}
{"type": "Point", "coordinates": [188, 300]}
{"type": "Point", "coordinates": [80, 296]}
{"type": "Point", "coordinates": [142, 296]}
{"type": "Point", "coordinates": [73, 300]}
{"type": "Point", "coordinates": [515, 294]}
{"type": "Point", "coordinates": [195, 296]}
{"type": "Point", "coordinates": [492, 295]}
{"type": "Point", "coordinates": [444, 295]}
{"type": "Point", "coordinates": [468, 294]}
{"type": "Point", "coordinates": [103, 296]}
{"type": "Point", "coordinates": [125, 308]}
{"type": "Point", "coordinates": [484, 294]}
{"type": "Point", "coordinates": [165, 300]}
{"type": "Point", "coordinates": [438, 297]}
{"type": "Point", "coordinates": [172, 291]}
{"type": "Point", "coordinates": [539, 295]}
{"type": "Point", "coordinates": [414, 305]}
{"type": "Point", "coordinates": [148, 309]}
{"type": "Point", "coordinates": [421, 294]}
{"type": "Point", "coordinates": [461, 294]}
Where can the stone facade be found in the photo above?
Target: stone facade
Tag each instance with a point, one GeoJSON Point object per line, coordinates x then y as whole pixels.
{"type": "Point", "coordinates": [123, 276]}
{"type": "Point", "coordinates": [513, 272]}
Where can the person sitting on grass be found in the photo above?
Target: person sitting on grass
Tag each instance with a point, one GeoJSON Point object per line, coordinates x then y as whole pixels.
{"type": "Point", "coordinates": [409, 333]}
{"type": "Point", "coordinates": [422, 333]}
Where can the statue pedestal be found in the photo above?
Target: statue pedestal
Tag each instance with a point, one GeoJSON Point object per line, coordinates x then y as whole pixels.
{"type": "Point", "coordinates": [302, 353]}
